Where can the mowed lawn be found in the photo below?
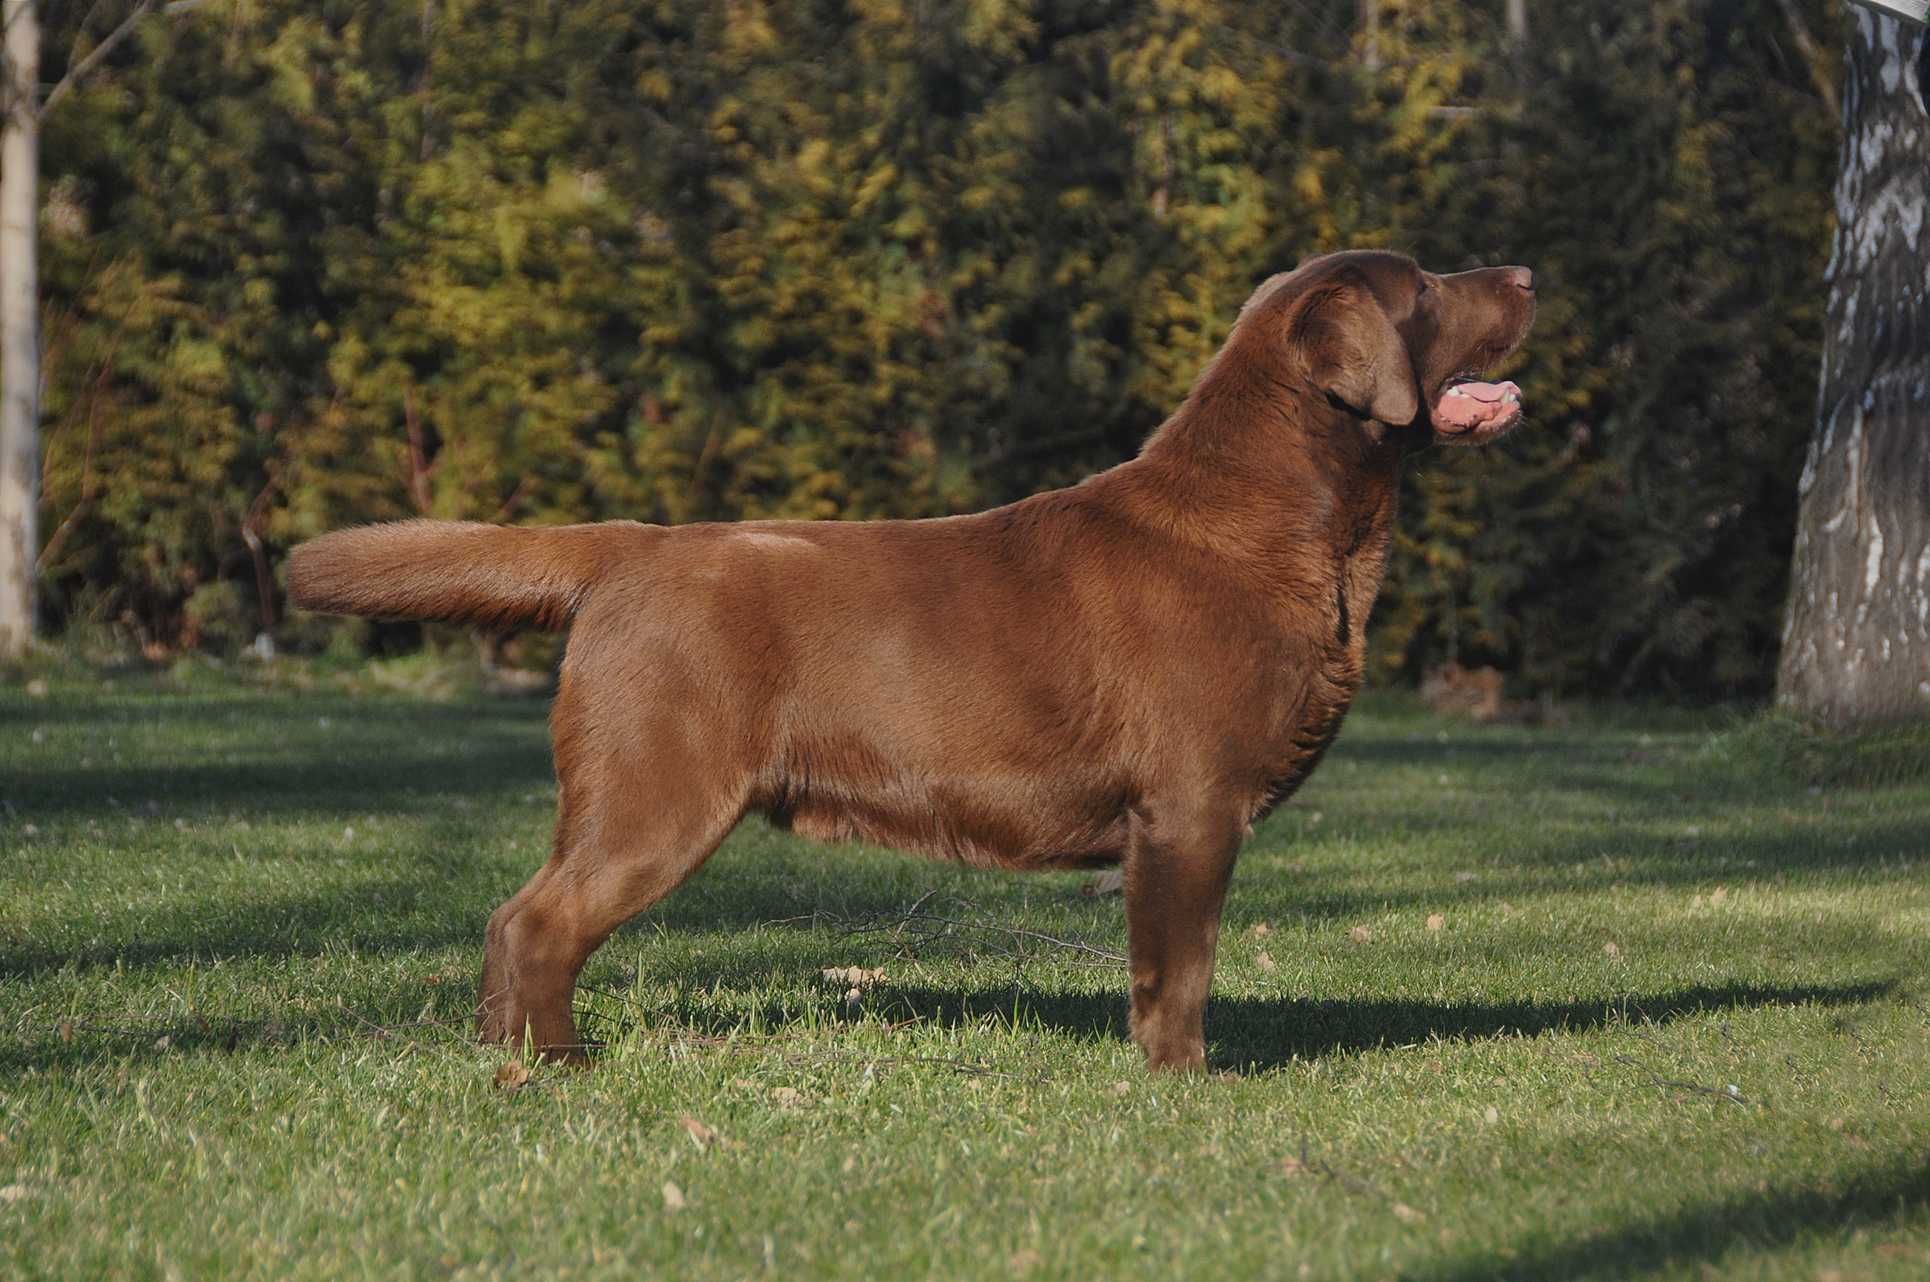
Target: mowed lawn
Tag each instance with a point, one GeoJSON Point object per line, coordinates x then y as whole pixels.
{"type": "Point", "coordinates": [1628, 996]}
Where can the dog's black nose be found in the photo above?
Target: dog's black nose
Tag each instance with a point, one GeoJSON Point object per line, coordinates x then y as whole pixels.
{"type": "Point", "coordinates": [1522, 278]}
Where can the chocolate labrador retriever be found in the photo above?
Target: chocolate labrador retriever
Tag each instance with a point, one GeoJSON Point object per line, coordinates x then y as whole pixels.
{"type": "Point", "coordinates": [1131, 670]}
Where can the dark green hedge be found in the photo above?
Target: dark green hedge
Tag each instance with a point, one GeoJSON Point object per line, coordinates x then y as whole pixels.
{"type": "Point", "coordinates": [310, 263]}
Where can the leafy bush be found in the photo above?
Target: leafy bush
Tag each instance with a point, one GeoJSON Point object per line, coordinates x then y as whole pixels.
{"type": "Point", "coordinates": [314, 264]}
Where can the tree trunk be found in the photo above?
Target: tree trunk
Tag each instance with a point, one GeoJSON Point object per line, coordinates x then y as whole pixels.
{"type": "Point", "coordinates": [1518, 21]}
{"type": "Point", "coordinates": [19, 328]}
{"type": "Point", "coordinates": [1856, 636]}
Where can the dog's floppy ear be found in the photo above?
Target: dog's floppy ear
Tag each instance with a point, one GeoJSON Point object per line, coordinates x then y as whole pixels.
{"type": "Point", "coordinates": [1353, 352]}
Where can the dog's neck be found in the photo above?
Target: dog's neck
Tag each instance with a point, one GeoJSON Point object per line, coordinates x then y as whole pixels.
{"type": "Point", "coordinates": [1260, 470]}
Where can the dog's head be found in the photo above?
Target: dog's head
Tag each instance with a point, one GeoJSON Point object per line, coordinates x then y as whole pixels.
{"type": "Point", "coordinates": [1396, 344]}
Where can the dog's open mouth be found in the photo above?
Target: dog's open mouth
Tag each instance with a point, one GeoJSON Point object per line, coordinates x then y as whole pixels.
{"type": "Point", "coordinates": [1472, 407]}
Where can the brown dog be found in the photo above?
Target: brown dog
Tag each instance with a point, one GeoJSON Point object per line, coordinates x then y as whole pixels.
{"type": "Point", "coordinates": [1133, 669]}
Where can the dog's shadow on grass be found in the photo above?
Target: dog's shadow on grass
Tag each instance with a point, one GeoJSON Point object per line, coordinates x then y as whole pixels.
{"type": "Point", "coordinates": [1254, 1035]}
{"type": "Point", "coordinates": [1246, 1036]}
{"type": "Point", "coordinates": [1250, 1035]}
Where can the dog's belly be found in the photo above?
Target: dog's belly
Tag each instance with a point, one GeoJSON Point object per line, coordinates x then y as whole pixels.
{"type": "Point", "coordinates": [1000, 822]}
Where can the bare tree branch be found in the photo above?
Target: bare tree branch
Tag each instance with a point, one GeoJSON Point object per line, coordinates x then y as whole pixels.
{"type": "Point", "coordinates": [95, 56]}
{"type": "Point", "coordinates": [1813, 57]}
{"type": "Point", "coordinates": [87, 488]}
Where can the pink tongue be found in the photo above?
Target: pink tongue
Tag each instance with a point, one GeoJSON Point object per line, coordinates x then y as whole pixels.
{"type": "Point", "coordinates": [1469, 405]}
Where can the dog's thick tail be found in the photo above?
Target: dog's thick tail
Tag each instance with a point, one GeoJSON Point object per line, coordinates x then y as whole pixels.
{"type": "Point", "coordinates": [494, 576]}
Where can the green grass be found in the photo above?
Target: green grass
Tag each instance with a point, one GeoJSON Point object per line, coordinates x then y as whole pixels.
{"type": "Point", "coordinates": [1673, 1020]}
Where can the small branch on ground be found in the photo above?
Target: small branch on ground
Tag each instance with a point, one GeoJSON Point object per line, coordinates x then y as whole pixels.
{"type": "Point", "coordinates": [1326, 1170]}
{"type": "Point", "coordinates": [1731, 1094]}
{"type": "Point", "coordinates": [922, 928]}
{"type": "Point", "coordinates": [765, 1043]}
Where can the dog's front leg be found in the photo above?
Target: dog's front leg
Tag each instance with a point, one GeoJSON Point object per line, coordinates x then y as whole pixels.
{"type": "Point", "coordinates": [1177, 868]}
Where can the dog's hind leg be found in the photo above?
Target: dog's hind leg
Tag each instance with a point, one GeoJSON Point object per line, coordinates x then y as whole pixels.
{"type": "Point", "coordinates": [634, 820]}
{"type": "Point", "coordinates": [1177, 868]}
{"type": "Point", "coordinates": [493, 990]}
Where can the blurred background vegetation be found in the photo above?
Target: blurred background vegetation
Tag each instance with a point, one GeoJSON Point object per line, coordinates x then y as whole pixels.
{"type": "Point", "coordinates": [323, 261]}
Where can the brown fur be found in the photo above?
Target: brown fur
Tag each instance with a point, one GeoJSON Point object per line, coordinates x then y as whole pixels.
{"type": "Point", "coordinates": [1129, 671]}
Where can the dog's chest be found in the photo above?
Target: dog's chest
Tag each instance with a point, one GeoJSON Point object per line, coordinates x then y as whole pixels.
{"type": "Point", "coordinates": [1316, 677]}
{"type": "Point", "coordinates": [1313, 714]}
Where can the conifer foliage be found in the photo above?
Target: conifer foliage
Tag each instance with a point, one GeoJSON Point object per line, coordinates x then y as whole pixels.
{"type": "Point", "coordinates": [331, 261]}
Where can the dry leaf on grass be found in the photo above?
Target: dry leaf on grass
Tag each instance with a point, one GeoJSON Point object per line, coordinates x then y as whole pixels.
{"type": "Point", "coordinates": [700, 1135]}
{"type": "Point", "coordinates": [512, 1075]}
{"type": "Point", "coordinates": [1612, 948]}
{"type": "Point", "coordinates": [1110, 882]}
{"type": "Point", "coordinates": [1492, 1116]}
{"type": "Point", "coordinates": [1719, 894]}
{"type": "Point", "coordinates": [1122, 1089]}
{"type": "Point", "coordinates": [65, 1031]}
{"type": "Point", "coordinates": [789, 1097]}
{"type": "Point", "coordinates": [856, 977]}
{"type": "Point", "coordinates": [1260, 930]}
{"type": "Point", "coordinates": [1360, 934]}
{"type": "Point", "coordinates": [1292, 1166]}
{"type": "Point", "coordinates": [673, 1197]}
{"type": "Point", "coordinates": [1265, 962]}
{"type": "Point", "coordinates": [1023, 1261]}
{"type": "Point", "coordinates": [1436, 921]}
{"type": "Point", "coordinates": [1407, 1214]}
{"type": "Point", "coordinates": [13, 1193]}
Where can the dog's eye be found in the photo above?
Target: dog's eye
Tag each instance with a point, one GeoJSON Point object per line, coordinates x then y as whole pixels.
{"type": "Point", "coordinates": [1427, 286]}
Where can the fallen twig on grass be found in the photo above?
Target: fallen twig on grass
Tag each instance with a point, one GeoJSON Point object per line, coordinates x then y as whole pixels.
{"type": "Point", "coordinates": [176, 1033]}
{"type": "Point", "coordinates": [896, 1061]}
{"type": "Point", "coordinates": [380, 1031]}
{"type": "Point", "coordinates": [923, 928]}
{"type": "Point", "coordinates": [757, 1043]}
{"type": "Point", "coordinates": [1730, 1093]}
{"type": "Point", "coordinates": [682, 1037]}
{"type": "Point", "coordinates": [1326, 1170]}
